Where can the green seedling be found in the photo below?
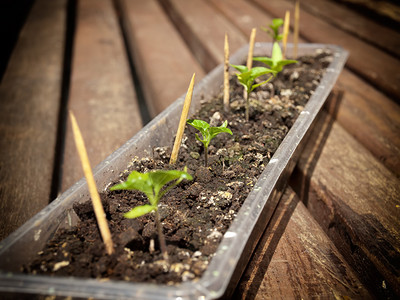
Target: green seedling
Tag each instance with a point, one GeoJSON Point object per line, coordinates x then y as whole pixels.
{"type": "Point", "coordinates": [273, 30]}
{"type": "Point", "coordinates": [276, 62]}
{"type": "Point", "coordinates": [154, 185]}
{"type": "Point", "coordinates": [246, 78]}
{"type": "Point", "coordinates": [208, 133]}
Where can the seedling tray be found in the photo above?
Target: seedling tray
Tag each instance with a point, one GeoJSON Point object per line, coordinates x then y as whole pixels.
{"type": "Point", "coordinates": [233, 253]}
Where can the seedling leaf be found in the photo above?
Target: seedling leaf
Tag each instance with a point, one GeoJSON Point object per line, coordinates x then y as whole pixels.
{"type": "Point", "coordinates": [273, 29]}
{"type": "Point", "coordinates": [214, 131]}
{"type": "Point", "coordinates": [276, 23]}
{"type": "Point", "coordinates": [200, 125]}
{"type": "Point", "coordinates": [160, 179]}
{"type": "Point", "coordinates": [266, 60]}
{"type": "Point", "coordinates": [276, 62]}
{"type": "Point", "coordinates": [247, 77]}
{"type": "Point", "coordinates": [261, 83]}
{"type": "Point", "coordinates": [276, 53]}
{"type": "Point", "coordinates": [137, 181]}
{"type": "Point", "coordinates": [139, 211]}
{"type": "Point", "coordinates": [240, 68]}
{"type": "Point", "coordinates": [208, 133]}
{"type": "Point", "coordinates": [258, 71]}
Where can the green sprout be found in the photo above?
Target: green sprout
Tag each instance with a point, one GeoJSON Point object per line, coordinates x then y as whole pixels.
{"type": "Point", "coordinates": [208, 133]}
{"type": "Point", "coordinates": [246, 78]}
{"type": "Point", "coordinates": [274, 30]}
{"type": "Point", "coordinates": [154, 184]}
{"type": "Point", "coordinates": [276, 62]}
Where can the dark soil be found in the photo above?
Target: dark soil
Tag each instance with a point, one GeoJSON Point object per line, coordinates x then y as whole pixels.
{"type": "Point", "coordinates": [196, 214]}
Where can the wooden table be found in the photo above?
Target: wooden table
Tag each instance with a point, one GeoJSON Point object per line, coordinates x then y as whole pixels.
{"type": "Point", "coordinates": [117, 64]}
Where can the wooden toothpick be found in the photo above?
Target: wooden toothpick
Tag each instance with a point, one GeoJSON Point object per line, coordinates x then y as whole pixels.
{"type": "Point", "coordinates": [182, 123]}
{"type": "Point", "coordinates": [285, 32]}
{"type": "Point", "coordinates": [87, 170]}
{"type": "Point", "coordinates": [249, 66]}
{"type": "Point", "coordinates": [226, 74]}
{"type": "Point", "coordinates": [251, 49]}
{"type": "Point", "coordinates": [296, 28]}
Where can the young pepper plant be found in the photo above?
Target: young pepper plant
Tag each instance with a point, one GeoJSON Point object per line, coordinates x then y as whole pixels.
{"type": "Point", "coordinates": [208, 133]}
{"type": "Point", "coordinates": [273, 30]}
{"type": "Point", "coordinates": [276, 61]}
{"type": "Point", "coordinates": [154, 185]}
{"type": "Point", "coordinates": [246, 78]}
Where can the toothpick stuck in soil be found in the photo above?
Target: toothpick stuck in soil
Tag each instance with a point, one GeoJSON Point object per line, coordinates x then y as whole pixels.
{"type": "Point", "coordinates": [182, 122]}
{"type": "Point", "coordinates": [285, 32]}
{"type": "Point", "coordinates": [249, 65]}
{"type": "Point", "coordinates": [251, 49]}
{"type": "Point", "coordinates": [226, 74]}
{"type": "Point", "coordinates": [97, 206]}
{"type": "Point", "coordinates": [296, 28]}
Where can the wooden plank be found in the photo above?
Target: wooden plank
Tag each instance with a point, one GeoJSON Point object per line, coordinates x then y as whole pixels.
{"type": "Point", "coordinates": [13, 15]}
{"type": "Point", "coordinates": [368, 115]}
{"type": "Point", "coordinates": [383, 8]}
{"type": "Point", "coordinates": [102, 94]}
{"type": "Point", "coordinates": [30, 96]}
{"type": "Point", "coordinates": [204, 30]}
{"type": "Point", "coordinates": [366, 29]}
{"type": "Point", "coordinates": [163, 60]}
{"type": "Point", "coordinates": [356, 200]}
{"type": "Point", "coordinates": [379, 68]}
{"type": "Point", "coordinates": [296, 260]}
{"type": "Point", "coordinates": [245, 16]}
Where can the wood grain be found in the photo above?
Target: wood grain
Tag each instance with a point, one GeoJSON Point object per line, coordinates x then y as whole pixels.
{"type": "Point", "coordinates": [379, 68]}
{"type": "Point", "coordinates": [364, 28]}
{"type": "Point", "coordinates": [163, 60]}
{"type": "Point", "coordinates": [245, 16]}
{"type": "Point", "coordinates": [296, 260]}
{"type": "Point", "coordinates": [203, 29]}
{"type": "Point", "coordinates": [30, 95]}
{"type": "Point", "coordinates": [356, 201]}
{"type": "Point", "coordinates": [102, 94]}
{"type": "Point", "coordinates": [384, 8]}
{"type": "Point", "coordinates": [369, 116]}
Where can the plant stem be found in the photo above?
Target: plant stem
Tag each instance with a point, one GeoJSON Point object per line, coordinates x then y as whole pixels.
{"type": "Point", "coordinates": [246, 97]}
{"type": "Point", "coordinates": [205, 156]}
{"type": "Point", "coordinates": [161, 238]}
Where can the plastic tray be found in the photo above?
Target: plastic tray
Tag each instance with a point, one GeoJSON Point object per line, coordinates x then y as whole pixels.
{"type": "Point", "coordinates": [238, 242]}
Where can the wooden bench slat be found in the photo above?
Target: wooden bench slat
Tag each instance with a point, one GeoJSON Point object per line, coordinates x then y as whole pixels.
{"type": "Point", "coordinates": [245, 16]}
{"type": "Point", "coordinates": [102, 94]}
{"type": "Point", "coordinates": [385, 9]}
{"type": "Point", "coordinates": [296, 260]}
{"type": "Point", "coordinates": [30, 95]}
{"type": "Point", "coordinates": [371, 117]}
{"type": "Point", "coordinates": [356, 201]}
{"type": "Point", "coordinates": [358, 25]}
{"type": "Point", "coordinates": [204, 30]}
{"type": "Point", "coordinates": [381, 69]}
{"type": "Point", "coordinates": [163, 60]}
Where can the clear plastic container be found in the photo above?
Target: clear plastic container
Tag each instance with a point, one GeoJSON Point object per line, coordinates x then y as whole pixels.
{"type": "Point", "coordinates": [236, 247]}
